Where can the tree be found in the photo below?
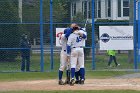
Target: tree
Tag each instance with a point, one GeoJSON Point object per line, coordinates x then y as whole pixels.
{"type": "Point", "coordinates": [9, 34]}
{"type": "Point", "coordinates": [66, 4]}
{"type": "Point", "coordinates": [31, 13]}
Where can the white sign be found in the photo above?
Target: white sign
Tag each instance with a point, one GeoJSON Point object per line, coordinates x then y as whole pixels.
{"type": "Point", "coordinates": [116, 37]}
{"type": "Point", "coordinates": [58, 30]}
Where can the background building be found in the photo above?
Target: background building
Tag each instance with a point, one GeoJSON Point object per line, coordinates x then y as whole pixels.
{"type": "Point", "coordinates": [103, 9]}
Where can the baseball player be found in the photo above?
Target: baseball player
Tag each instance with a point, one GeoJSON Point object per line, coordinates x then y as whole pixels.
{"type": "Point", "coordinates": [76, 53]}
{"type": "Point", "coordinates": [77, 70]}
{"type": "Point", "coordinates": [63, 57]}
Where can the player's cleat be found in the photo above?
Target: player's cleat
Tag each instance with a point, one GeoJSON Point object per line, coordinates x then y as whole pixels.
{"type": "Point", "coordinates": [77, 82]}
{"type": "Point", "coordinates": [67, 81]}
{"type": "Point", "coordinates": [60, 82]}
{"type": "Point", "coordinates": [82, 81]}
{"type": "Point", "coordinates": [72, 82]}
{"type": "Point", "coordinates": [118, 65]}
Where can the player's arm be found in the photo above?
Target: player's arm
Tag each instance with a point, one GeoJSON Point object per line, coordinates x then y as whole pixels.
{"type": "Point", "coordinates": [81, 33]}
{"type": "Point", "coordinates": [68, 50]}
{"type": "Point", "coordinates": [69, 43]}
{"type": "Point", "coordinates": [68, 32]}
{"type": "Point", "coordinates": [84, 36]}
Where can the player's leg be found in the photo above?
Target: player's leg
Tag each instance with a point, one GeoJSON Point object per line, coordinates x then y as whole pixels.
{"type": "Point", "coordinates": [77, 73]}
{"type": "Point", "coordinates": [73, 62]}
{"type": "Point", "coordinates": [114, 58]}
{"type": "Point", "coordinates": [23, 63]}
{"type": "Point", "coordinates": [82, 67]}
{"type": "Point", "coordinates": [67, 81]}
{"type": "Point", "coordinates": [63, 59]}
{"type": "Point", "coordinates": [110, 60]}
{"type": "Point", "coordinates": [27, 63]}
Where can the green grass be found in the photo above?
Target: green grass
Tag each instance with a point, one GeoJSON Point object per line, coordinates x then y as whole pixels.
{"type": "Point", "coordinates": [27, 76]}
{"type": "Point", "coordinates": [54, 75]}
{"type": "Point", "coordinates": [101, 63]}
{"type": "Point", "coordinates": [89, 91]}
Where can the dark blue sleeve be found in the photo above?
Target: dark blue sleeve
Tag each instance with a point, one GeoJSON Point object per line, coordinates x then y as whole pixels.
{"type": "Point", "coordinates": [84, 36]}
{"type": "Point", "coordinates": [81, 29]}
{"type": "Point", "coordinates": [68, 32]}
{"type": "Point", "coordinates": [68, 50]}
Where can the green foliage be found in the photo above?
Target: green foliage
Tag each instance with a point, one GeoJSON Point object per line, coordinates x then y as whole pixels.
{"type": "Point", "coordinates": [8, 11]}
{"type": "Point", "coordinates": [67, 8]}
{"type": "Point", "coordinates": [31, 13]}
{"type": "Point", "coordinates": [9, 34]}
{"type": "Point", "coordinates": [79, 18]}
{"type": "Point", "coordinates": [59, 13]}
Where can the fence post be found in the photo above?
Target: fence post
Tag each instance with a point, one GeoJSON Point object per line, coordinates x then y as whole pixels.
{"type": "Point", "coordinates": [135, 37]}
{"type": "Point", "coordinates": [139, 31]}
{"type": "Point", "coordinates": [51, 33]}
{"type": "Point", "coordinates": [93, 44]}
{"type": "Point", "coordinates": [41, 36]}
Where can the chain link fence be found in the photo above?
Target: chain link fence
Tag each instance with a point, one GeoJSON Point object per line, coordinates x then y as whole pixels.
{"type": "Point", "coordinates": [20, 17]}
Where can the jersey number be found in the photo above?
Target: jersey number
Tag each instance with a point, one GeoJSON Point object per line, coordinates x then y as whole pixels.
{"type": "Point", "coordinates": [78, 39]}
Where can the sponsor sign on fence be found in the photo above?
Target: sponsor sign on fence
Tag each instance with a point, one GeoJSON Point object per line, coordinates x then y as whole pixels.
{"type": "Point", "coordinates": [116, 37]}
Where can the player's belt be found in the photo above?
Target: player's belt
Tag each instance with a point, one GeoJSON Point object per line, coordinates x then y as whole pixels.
{"type": "Point", "coordinates": [78, 47]}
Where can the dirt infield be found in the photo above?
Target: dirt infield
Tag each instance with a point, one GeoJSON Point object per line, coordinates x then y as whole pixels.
{"type": "Point", "coordinates": [90, 84]}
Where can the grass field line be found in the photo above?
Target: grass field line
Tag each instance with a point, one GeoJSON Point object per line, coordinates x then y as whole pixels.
{"type": "Point", "coordinates": [105, 69]}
